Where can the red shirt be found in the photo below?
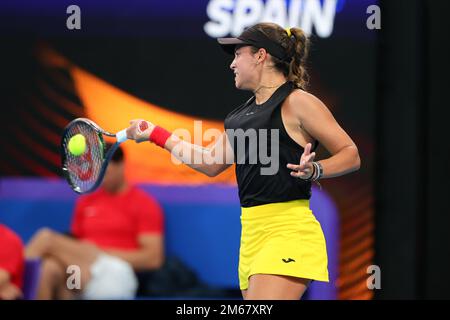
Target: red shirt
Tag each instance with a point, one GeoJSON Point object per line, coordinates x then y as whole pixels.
{"type": "Point", "coordinates": [115, 221]}
{"type": "Point", "coordinates": [12, 258]}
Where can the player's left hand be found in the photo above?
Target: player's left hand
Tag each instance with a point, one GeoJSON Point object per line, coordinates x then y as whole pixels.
{"type": "Point", "coordinates": [305, 169]}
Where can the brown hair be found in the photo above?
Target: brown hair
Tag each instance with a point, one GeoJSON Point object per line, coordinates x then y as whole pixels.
{"type": "Point", "coordinates": [296, 46]}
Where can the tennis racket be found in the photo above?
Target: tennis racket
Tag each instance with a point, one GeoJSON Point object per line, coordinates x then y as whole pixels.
{"type": "Point", "coordinates": [85, 172]}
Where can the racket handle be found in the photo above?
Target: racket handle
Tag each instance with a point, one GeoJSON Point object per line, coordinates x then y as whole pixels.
{"type": "Point", "coordinates": [121, 136]}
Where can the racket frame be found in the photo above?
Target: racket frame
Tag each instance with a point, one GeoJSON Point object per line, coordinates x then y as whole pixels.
{"type": "Point", "coordinates": [120, 136]}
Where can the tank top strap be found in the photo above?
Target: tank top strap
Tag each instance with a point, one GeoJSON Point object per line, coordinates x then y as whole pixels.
{"type": "Point", "coordinates": [280, 94]}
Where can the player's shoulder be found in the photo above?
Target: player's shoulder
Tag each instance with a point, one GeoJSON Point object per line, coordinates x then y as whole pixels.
{"type": "Point", "coordinates": [139, 193]}
{"type": "Point", "coordinates": [302, 97]}
{"type": "Point", "coordinates": [304, 103]}
{"type": "Point", "coordinates": [144, 200]}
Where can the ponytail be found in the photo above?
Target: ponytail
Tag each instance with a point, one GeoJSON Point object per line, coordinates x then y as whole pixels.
{"type": "Point", "coordinates": [297, 71]}
{"type": "Point", "coordinates": [296, 44]}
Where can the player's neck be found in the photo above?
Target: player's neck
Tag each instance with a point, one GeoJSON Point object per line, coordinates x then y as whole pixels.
{"type": "Point", "coordinates": [121, 188]}
{"type": "Point", "coordinates": [267, 87]}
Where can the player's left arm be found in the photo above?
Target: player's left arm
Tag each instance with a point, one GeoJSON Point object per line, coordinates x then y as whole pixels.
{"type": "Point", "coordinates": [315, 118]}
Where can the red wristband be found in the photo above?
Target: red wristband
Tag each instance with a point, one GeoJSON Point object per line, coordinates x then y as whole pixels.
{"type": "Point", "coordinates": [159, 136]}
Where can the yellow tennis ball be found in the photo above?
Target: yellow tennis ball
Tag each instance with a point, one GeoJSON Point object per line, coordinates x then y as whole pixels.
{"type": "Point", "coordinates": [77, 145]}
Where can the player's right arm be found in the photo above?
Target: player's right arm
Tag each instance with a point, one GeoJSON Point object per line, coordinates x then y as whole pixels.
{"type": "Point", "coordinates": [211, 160]}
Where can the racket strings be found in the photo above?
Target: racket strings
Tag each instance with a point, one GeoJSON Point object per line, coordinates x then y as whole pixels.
{"type": "Point", "coordinates": [83, 171]}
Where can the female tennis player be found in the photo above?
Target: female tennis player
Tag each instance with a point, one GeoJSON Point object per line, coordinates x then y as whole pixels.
{"type": "Point", "coordinates": [282, 244]}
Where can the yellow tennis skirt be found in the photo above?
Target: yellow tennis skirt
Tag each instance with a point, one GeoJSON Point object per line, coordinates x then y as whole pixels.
{"type": "Point", "coordinates": [284, 239]}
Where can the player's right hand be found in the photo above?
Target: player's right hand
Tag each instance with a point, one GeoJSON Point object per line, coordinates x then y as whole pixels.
{"type": "Point", "coordinates": [140, 130]}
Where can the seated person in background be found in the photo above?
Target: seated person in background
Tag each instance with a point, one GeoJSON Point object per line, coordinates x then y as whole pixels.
{"type": "Point", "coordinates": [12, 263]}
{"type": "Point", "coordinates": [118, 230]}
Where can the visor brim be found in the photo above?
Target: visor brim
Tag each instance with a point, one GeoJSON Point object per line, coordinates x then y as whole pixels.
{"type": "Point", "coordinates": [229, 44]}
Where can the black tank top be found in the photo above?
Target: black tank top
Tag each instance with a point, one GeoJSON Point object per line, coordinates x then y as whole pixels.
{"type": "Point", "coordinates": [256, 188]}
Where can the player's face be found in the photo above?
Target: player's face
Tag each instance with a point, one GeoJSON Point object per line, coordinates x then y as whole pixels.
{"type": "Point", "coordinates": [114, 176]}
{"type": "Point", "coordinates": [245, 69]}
